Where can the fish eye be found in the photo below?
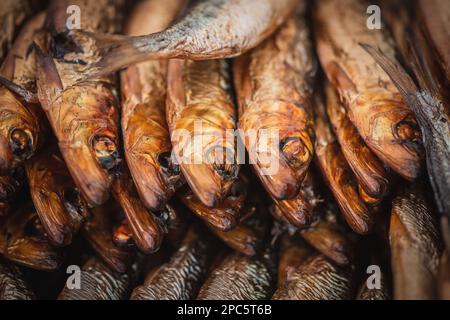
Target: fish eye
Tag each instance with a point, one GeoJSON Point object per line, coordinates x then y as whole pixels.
{"type": "Point", "coordinates": [106, 151]}
{"type": "Point", "coordinates": [21, 143]}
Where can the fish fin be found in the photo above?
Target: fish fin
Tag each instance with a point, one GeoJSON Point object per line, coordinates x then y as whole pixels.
{"type": "Point", "coordinates": [398, 75]}
{"type": "Point", "coordinates": [120, 51]}
{"type": "Point", "coordinates": [422, 71]}
{"type": "Point", "coordinates": [47, 79]}
{"type": "Point", "coordinates": [27, 95]}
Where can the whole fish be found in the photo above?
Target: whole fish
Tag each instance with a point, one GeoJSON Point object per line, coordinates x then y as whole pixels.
{"type": "Point", "coordinates": [434, 17]}
{"type": "Point", "coordinates": [211, 29]}
{"type": "Point", "coordinates": [98, 282]}
{"type": "Point", "coordinates": [202, 119]}
{"type": "Point", "coordinates": [181, 277]}
{"type": "Point", "coordinates": [13, 13]}
{"type": "Point", "coordinates": [145, 134]}
{"type": "Point", "coordinates": [143, 224]}
{"type": "Point", "coordinates": [57, 200]}
{"type": "Point", "coordinates": [367, 168]}
{"type": "Point", "coordinates": [225, 215]}
{"type": "Point", "coordinates": [83, 115]}
{"type": "Point", "coordinates": [23, 241]}
{"type": "Point", "coordinates": [239, 277]}
{"type": "Point", "coordinates": [318, 279]}
{"type": "Point", "coordinates": [12, 283]}
{"type": "Point", "coordinates": [338, 175]}
{"type": "Point", "coordinates": [22, 121]}
{"type": "Point", "coordinates": [274, 85]}
{"type": "Point", "coordinates": [415, 245]}
{"type": "Point", "coordinates": [372, 101]}
{"type": "Point", "coordinates": [427, 101]}
{"type": "Point", "coordinates": [98, 231]}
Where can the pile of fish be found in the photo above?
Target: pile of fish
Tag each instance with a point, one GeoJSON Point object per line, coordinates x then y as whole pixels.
{"type": "Point", "coordinates": [93, 176]}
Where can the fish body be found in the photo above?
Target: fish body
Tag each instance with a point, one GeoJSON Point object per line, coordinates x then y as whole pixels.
{"type": "Point", "coordinates": [415, 245]}
{"type": "Point", "coordinates": [211, 29]}
{"type": "Point", "coordinates": [98, 282]}
{"type": "Point", "coordinates": [338, 175]}
{"type": "Point", "coordinates": [22, 122]}
{"type": "Point", "coordinates": [145, 133]}
{"type": "Point", "coordinates": [57, 200]}
{"type": "Point", "coordinates": [181, 277]}
{"type": "Point", "coordinates": [12, 283]}
{"type": "Point", "coordinates": [83, 115]}
{"type": "Point", "coordinates": [373, 103]}
{"type": "Point", "coordinates": [23, 241]}
{"type": "Point", "coordinates": [202, 119]}
{"type": "Point", "coordinates": [274, 85]}
{"type": "Point", "coordinates": [239, 277]}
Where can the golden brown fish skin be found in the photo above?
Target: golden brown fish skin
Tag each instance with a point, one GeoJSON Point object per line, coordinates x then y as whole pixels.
{"type": "Point", "coordinates": [292, 254]}
{"type": "Point", "coordinates": [274, 85]}
{"type": "Point", "coordinates": [211, 29]}
{"type": "Point", "coordinates": [435, 20]}
{"type": "Point", "coordinates": [373, 103]}
{"type": "Point", "coordinates": [13, 13]}
{"type": "Point", "coordinates": [367, 168]}
{"type": "Point", "coordinates": [57, 200]}
{"type": "Point", "coordinates": [200, 108]}
{"type": "Point", "coordinates": [98, 282]}
{"type": "Point", "coordinates": [22, 122]}
{"type": "Point", "coordinates": [144, 225]}
{"type": "Point", "coordinates": [22, 240]}
{"type": "Point", "coordinates": [338, 175]}
{"type": "Point", "coordinates": [239, 277]}
{"type": "Point", "coordinates": [225, 215]}
{"type": "Point", "coordinates": [318, 279]}
{"type": "Point", "coordinates": [415, 245]}
{"type": "Point", "coordinates": [84, 116]}
{"type": "Point", "coordinates": [181, 277]}
{"type": "Point", "coordinates": [145, 133]}
{"type": "Point", "coordinates": [98, 231]}
{"type": "Point", "coordinates": [12, 283]}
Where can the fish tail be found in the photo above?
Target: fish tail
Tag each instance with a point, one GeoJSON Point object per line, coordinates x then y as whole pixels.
{"type": "Point", "coordinates": [120, 51]}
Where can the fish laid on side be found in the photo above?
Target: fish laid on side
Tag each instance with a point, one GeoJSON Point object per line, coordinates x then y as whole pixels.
{"type": "Point", "coordinates": [145, 134]}
{"type": "Point", "coordinates": [274, 85]}
{"type": "Point", "coordinates": [12, 283]}
{"type": "Point", "coordinates": [338, 175]}
{"type": "Point", "coordinates": [83, 115]}
{"type": "Point", "coordinates": [373, 103]}
{"type": "Point", "coordinates": [59, 204]}
{"type": "Point", "coordinates": [23, 241]}
{"type": "Point", "coordinates": [202, 122]}
{"type": "Point", "coordinates": [211, 29]}
{"type": "Point", "coordinates": [181, 277]}
{"type": "Point", "coordinates": [22, 121]}
{"type": "Point", "coordinates": [415, 245]}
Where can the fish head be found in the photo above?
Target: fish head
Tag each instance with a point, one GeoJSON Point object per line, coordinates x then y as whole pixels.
{"type": "Point", "coordinates": [153, 168]}
{"type": "Point", "coordinates": [26, 242]}
{"type": "Point", "coordinates": [209, 167]}
{"type": "Point", "coordinates": [18, 131]}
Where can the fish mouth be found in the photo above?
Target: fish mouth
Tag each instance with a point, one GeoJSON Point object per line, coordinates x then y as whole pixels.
{"type": "Point", "coordinates": [91, 178]}
{"type": "Point", "coordinates": [155, 181]}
